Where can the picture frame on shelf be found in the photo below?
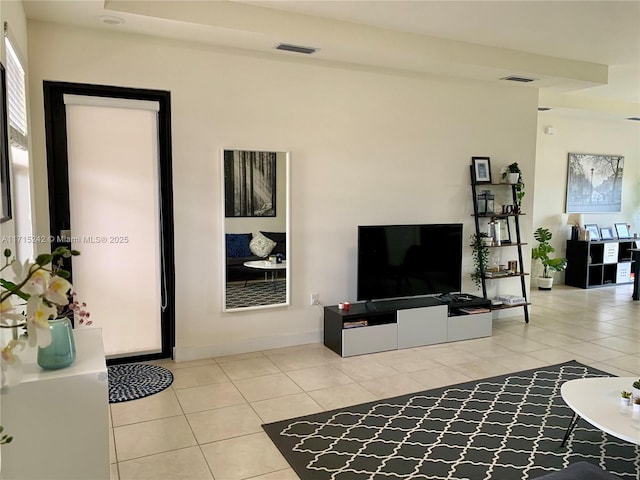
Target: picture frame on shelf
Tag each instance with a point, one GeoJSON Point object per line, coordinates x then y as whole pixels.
{"type": "Point", "coordinates": [622, 230]}
{"type": "Point", "coordinates": [594, 232]}
{"type": "Point", "coordinates": [481, 169]}
{"type": "Point", "coordinates": [606, 233]}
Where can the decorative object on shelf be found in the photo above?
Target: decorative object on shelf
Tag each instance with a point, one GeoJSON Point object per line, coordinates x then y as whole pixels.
{"type": "Point", "coordinates": [519, 182]}
{"type": "Point", "coordinates": [550, 265]}
{"type": "Point", "coordinates": [594, 183]}
{"type": "Point", "coordinates": [606, 233]}
{"type": "Point", "coordinates": [481, 169]}
{"type": "Point", "coordinates": [576, 220]}
{"type": "Point", "coordinates": [593, 232]}
{"type": "Point", "coordinates": [622, 230]}
{"type": "Point", "coordinates": [480, 257]}
{"type": "Point", "coordinates": [486, 202]}
{"type": "Point", "coordinates": [61, 352]}
{"type": "Point", "coordinates": [38, 292]}
{"type": "Point", "coordinates": [625, 398]}
{"type": "Point", "coordinates": [635, 393]}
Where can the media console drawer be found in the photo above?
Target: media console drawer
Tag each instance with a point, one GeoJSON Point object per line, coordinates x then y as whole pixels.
{"type": "Point", "coordinates": [463, 327]}
{"type": "Point", "coordinates": [375, 338]}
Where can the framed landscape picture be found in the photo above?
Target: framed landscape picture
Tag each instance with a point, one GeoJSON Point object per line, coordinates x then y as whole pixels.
{"type": "Point", "coordinates": [594, 183]}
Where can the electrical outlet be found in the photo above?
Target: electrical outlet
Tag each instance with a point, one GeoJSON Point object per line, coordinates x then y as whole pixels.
{"type": "Point", "coordinates": [315, 299]}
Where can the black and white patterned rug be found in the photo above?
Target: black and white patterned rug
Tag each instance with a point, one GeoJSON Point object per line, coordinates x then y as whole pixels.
{"type": "Point", "coordinates": [256, 293]}
{"type": "Point", "coordinates": [136, 380]}
{"type": "Point", "coordinates": [502, 428]}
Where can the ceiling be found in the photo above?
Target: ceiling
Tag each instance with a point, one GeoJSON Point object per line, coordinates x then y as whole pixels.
{"type": "Point", "coordinates": [583, 55]}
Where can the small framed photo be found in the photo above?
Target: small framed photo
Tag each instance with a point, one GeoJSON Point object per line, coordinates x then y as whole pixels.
{"type": "Point", "coordinates": [622, 230]}
{"type": "Point", "coordinates": [481, 169]}
{"type": "Point", "coordinates": [592, 228]}
{"type": "Point", "coordinates": [606, 233]}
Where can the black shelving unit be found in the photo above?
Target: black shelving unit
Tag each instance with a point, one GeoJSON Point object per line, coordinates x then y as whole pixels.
{"type": "Point", "coordinates": [518, 243]}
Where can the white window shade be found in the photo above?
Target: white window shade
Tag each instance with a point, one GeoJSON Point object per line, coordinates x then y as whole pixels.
{"type": "Point", "coordinates": [16, 97]}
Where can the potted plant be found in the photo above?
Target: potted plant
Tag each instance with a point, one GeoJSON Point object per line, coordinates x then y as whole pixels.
{"type": "Point", "coordinates": [636, 404]}
{"type": "Point", "coordinates": [636, 389]}
{"type": "Point", "coordinates": [625, 398]}
{"type": "Point", "coordinates": [513, 175]}
{"type": "Point", "coordinates": [480, 256]}
{"type": "Point", "coordinates": [550, 265]}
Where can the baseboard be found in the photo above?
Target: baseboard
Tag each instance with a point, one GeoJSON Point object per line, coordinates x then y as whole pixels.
{"type": "Point", "coordinates": [185, 354]}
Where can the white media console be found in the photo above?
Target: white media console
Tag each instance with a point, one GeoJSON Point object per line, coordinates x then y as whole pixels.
{"type": "Point", "coordinates": [406, 323]}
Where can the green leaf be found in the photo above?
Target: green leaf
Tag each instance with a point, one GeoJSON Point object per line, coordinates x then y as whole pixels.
{"type": "Point", "coordinates": [44, 259]}
{"type": "Point", "coordinates": [63, 273]}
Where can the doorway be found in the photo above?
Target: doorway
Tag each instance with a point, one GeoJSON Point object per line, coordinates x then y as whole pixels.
{"type": "Point", "coordinates": [109, 172]}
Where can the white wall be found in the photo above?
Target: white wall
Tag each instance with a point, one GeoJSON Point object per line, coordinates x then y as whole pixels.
{"type": "Point", "coordinates": [366, 147]}
{"type": "Point", "coordinates": [583, 135]}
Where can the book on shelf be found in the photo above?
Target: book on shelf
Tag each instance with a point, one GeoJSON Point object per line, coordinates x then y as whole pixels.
{"type": "Point", "coordinates": [500, 273]}
{"type": "Point", "coordinates": [474, 310]}
{"type": "Point", "coordinates": [355, 324]}
{"type": "Point", "coordinates": [510, 299]}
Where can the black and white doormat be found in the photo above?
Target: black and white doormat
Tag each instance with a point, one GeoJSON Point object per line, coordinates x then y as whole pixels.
{"type": "Point", "coordinates": [502, 428]}
{"type": "Point", "coordinates": [136, 380]}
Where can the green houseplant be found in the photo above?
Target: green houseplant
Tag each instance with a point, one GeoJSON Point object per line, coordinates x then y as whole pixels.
{"type": "Point", "coordinates": [480, 257]}
{"type": "Point", "coordinates": [542, 252]}
{"type": "Point", "coordinates": [519, 183]}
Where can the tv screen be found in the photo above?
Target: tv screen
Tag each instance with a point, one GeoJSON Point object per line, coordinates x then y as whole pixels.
{"type": "Point", "coordinates": [396, 261]}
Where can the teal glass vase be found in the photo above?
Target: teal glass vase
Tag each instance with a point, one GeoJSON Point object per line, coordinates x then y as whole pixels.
{"type": "Point", "coordinates": [61, 352]}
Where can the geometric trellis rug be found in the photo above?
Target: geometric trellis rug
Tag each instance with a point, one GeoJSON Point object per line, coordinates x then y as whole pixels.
{"type": "Point", "coordinates": [136, 380]}
{"type": "Point", "coordinates": [255, 294]}
{"type": "Point", "coordinates": [508, 427]}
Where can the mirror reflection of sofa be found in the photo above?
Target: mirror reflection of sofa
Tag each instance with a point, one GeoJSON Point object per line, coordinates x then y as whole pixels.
{"type": "Point", "coordinates": [239, 250]}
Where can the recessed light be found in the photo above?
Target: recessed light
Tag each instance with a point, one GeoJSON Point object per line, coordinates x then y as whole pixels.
{"type": "Point", "coordinates": [111, 20]}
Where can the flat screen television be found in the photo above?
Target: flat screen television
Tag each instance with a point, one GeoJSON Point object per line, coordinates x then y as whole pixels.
{"type": "Point", "coordinates": [397, 261]}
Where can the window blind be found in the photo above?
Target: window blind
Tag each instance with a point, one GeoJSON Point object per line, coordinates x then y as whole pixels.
{"type": "Point", "coordinates": [16, 97]}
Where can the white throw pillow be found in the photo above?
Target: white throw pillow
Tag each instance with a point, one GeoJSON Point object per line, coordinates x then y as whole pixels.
{"type": "Point", "coordinates": [261, 245]}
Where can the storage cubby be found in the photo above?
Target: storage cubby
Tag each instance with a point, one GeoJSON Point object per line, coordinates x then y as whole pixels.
{"type": "Point", "coordinates": [598, 263]}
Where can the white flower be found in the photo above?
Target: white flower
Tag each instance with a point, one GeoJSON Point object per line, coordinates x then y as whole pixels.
{"type": "Point", "coordinates": [38, 314]}
{"type": "Point", "coordinates": [57, 291]}
{"type": "Point", "coordinates": [10, 364]}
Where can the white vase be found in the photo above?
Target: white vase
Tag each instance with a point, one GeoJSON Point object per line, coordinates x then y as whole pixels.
{"type": "Point", "coordinates": [545, 283]}
{"type": "Point", "coordinates": [636, 407]}
{"type": "Point", "coordinates": [512, 177]}
{"type": "Point", "coordinates": [625, 402]}
{"type": "Point", "coordinates": [635, 392]}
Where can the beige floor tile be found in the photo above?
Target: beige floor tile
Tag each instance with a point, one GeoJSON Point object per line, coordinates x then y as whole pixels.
{"type": "Point", "coordinates": [516, 362]}
{"type": "Point", "coordinates": [361, 369]}
{"type": "Point", "coordinates": [629, 363]}
{"type": "Point", "coordinates": [243, 457]}
{"type": "Point", "coordinates": [239, 356]}
{"type": "Point", "coordinates": [223, 423]}
{"type": "Point", "coordinates": [197, 399]}
{"type": "Point", "coordinates": [183, 464]}
{"type": "Point", "coordinates": [113, 472]}
{"type": "Point", "coordinates": [342, 396]}
{"type": "Point", "coordinates": [161, 405]}
{"type": "Point", "coordinates": [552, 356]}
{"type": "Point", "coordinates": [287, 474]}
{"type": "Point", "coordinates": [593, 351]}
{"type": "Point", "coordinates": [439, 377]}
{"type": "Point", "coordinates": [619, 343]}
{"type": "Point", "coordinates": [266, 386]}
{"type": "Point", "coordinates": [393, 386]}
{"type": "Point", "coordinates": [482, 369]}
{"type": "Point", "coordinates": [249, 367]}
{"type": "Point", "coordinates": [315, 378]}
{"type": "Point", "coordinates": [197, 376]}
{"type": "Point", "coordinates": [411, 360]}
{"type": "Point", "coordinates": [296, 360]}
{"type": "Point", "coordinates": [113, 458]}
{"type": "Point", "coordinates": [173, 366]}
{"type": "Point", "coordinates": [280, 408]}
{"type": "Point", "coordinates": [155, 436]}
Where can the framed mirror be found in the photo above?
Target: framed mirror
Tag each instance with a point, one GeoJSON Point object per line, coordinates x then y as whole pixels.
{"type": "Point", "coordinates": [255, 202]}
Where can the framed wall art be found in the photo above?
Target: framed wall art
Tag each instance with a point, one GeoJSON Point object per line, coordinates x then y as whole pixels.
{"type": "Point", "coordinates": [250, 183]}
{"type": "Point", "coordinates": [594, 183]}
{"type": "Point", "coordinates": [594, 232]}
{"type": "Point", "coordinates": [481, 169]}
{"type": "Point", "coordinates": [606, 233]}
{"type": "Point", "coordinates": [622, 230]}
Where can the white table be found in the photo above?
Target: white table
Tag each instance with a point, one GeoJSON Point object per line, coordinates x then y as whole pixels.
{"type": "Point", "coordinates": [268, 266]}
{"type": "Point", "coordinates": [597, 400]}
{"type": "Point", "coordinates": [59, 418]}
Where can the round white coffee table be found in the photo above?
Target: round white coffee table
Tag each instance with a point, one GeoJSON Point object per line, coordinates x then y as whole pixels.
{"type": "Point", "coordinates": [268, 266]}
{"type": "Point", "coordinates": [597, 400]}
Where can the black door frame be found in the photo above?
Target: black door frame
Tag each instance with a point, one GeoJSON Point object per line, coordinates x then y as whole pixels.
{"type": "Point", "coordinates": [58, 178]}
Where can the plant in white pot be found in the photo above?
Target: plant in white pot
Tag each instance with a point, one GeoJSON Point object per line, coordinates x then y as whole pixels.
{"type": "Point", "coordinates": [549, 265]}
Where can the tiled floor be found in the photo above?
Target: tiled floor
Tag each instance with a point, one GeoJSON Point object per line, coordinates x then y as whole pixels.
{"type": "Point", "coordinates": [207, 425]}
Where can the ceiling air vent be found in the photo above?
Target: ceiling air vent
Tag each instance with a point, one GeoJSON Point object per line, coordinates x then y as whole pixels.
{"type": "Point", "coordinates": [544, 109]}
{"type": "Point", "coordinates": [516, 78]}
{"type": "Point", "coordinates": [635, 119]}
{"type": "Point", "coordinates": [296, 48]}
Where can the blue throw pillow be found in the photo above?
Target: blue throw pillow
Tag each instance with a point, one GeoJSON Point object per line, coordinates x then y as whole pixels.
{"type": "Point", "coordinates": [237, 245]}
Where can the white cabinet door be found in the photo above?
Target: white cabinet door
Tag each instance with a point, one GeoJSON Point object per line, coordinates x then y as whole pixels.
{"type": "Point", "coordinates": [422, 326]}
{"type": "Point", "coordinates": [610, 253]}
{"type": "Point", "coordinates": [463, 327]}
{"type": "Point", "coordinates": [375, 338]}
